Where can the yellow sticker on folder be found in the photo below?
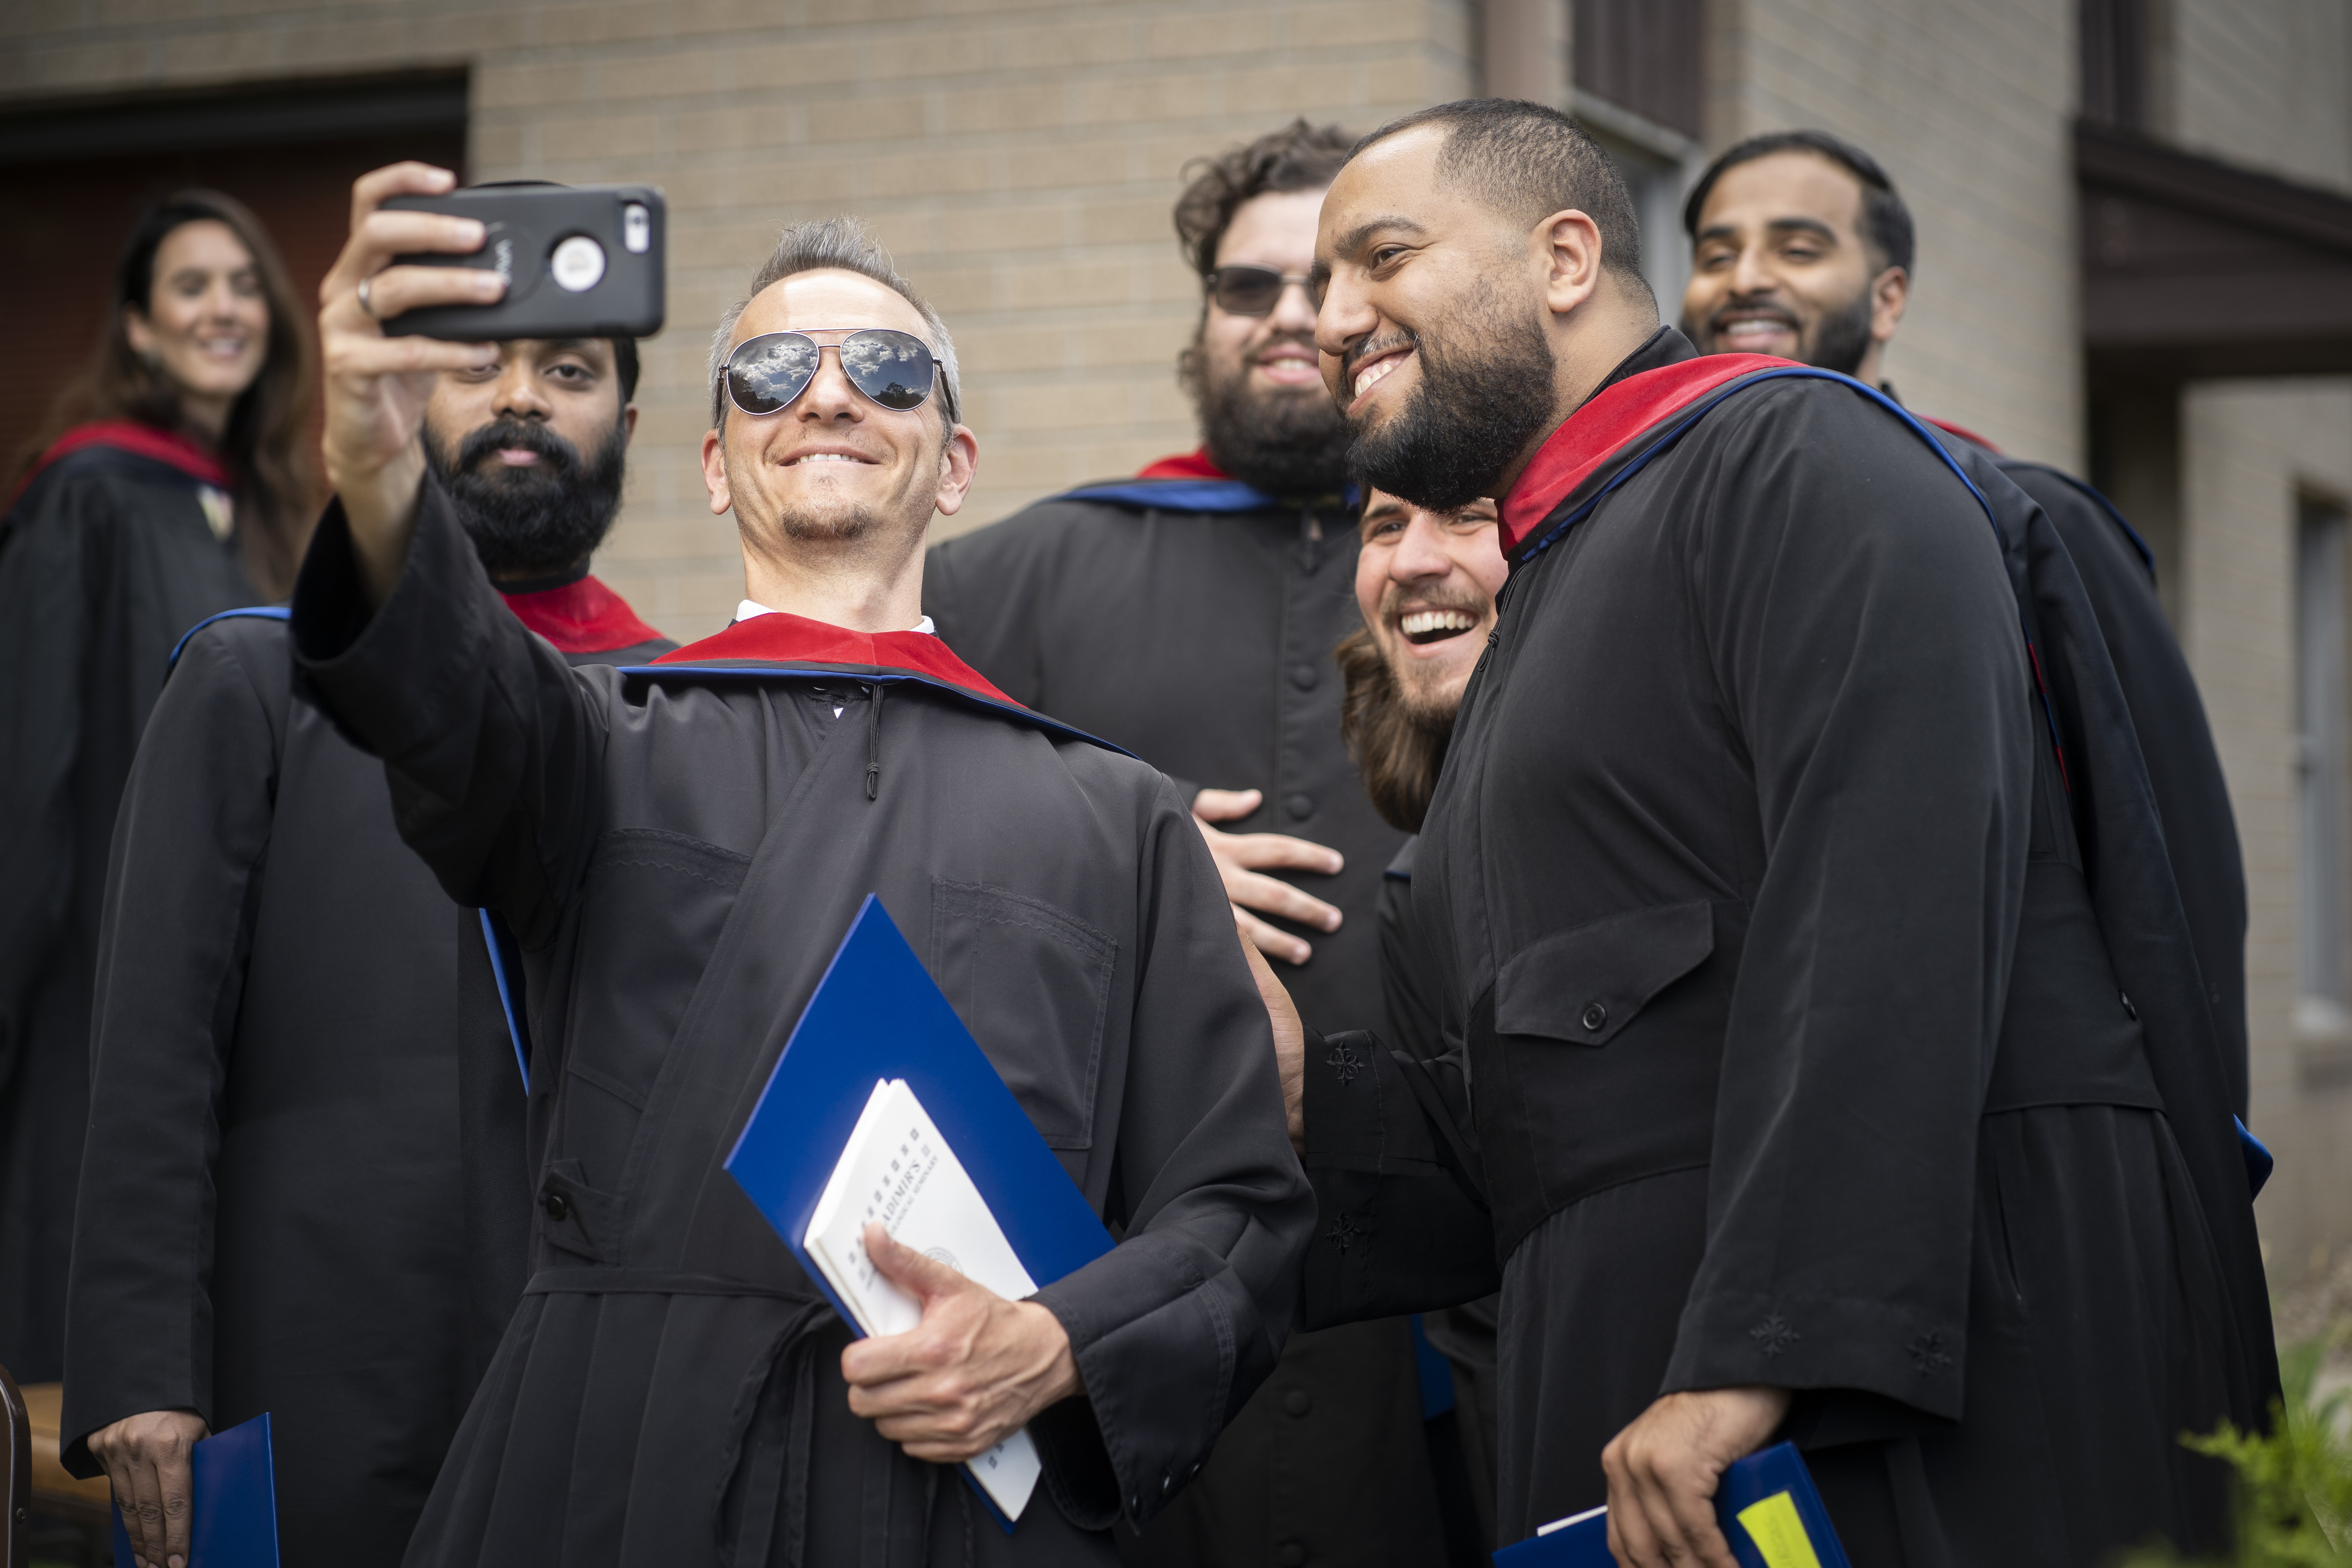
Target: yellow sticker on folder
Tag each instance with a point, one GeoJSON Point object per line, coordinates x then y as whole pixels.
{"type": "Point", "coordinates": [1779, 1534]}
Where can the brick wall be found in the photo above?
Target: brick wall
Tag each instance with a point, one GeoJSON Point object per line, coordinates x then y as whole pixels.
{"type": "Point", "coordinates": [2267, 83]}
{"type": "Point", "coordinates": [1969, 108]}
{"type": "Point", "coordinates": [1020, 159]}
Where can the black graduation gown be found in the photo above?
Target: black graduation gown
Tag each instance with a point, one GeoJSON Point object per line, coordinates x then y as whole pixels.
{"type": "Point", "coordinates": [2192, 796]}
{"type": "Point", "coordinates": [105, 559]}
{"type": "Point", "coordinates": [1192, 620]}
{"type": "Point", "coordinates": [282, 1211]}
{"type": "Point", "coordinates": [1825, 1029]}
{"type": "Point", "coordinates": [678, 851]}
{"type": "Point", "coordinates": [1464, 1334]}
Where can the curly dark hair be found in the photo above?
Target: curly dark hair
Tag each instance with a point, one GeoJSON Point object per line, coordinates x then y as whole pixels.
{"type": "Point", "coordinates": [1298, 157]}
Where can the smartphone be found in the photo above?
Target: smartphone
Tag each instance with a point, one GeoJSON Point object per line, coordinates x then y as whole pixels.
{"type": "Point", "coordinates": [580, 261]}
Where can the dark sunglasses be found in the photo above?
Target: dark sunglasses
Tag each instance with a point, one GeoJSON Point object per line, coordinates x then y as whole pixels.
{"type": "Point", "coordinates": [1250, 290]}
{"type": "Point", "coordinates": [895, 369]}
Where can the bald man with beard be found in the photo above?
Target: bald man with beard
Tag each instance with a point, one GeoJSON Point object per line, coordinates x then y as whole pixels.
{"type": "Point", "coordinates": [1837, 1066]}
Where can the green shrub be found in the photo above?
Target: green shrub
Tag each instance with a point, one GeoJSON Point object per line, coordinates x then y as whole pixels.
{"type": "Point", "coordinates": [2293, 1483]}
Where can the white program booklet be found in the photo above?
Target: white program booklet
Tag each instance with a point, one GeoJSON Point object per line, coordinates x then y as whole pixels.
{"type": "Point", "coordinates": [896, 1170]}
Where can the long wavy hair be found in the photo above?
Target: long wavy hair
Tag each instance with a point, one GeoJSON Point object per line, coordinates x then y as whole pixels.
{"type": "Point", "coordinates": [269, 446]}
{"type": "Point", "coordinates": [1397, 752]}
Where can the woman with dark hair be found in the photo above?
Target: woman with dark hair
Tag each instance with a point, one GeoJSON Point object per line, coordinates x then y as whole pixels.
{"type": "Point", "coordinates": [176, 480]}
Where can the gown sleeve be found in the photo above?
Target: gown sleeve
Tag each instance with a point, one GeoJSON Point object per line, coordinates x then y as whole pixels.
{"type": "Point", "coordinates": [2192, 796]}
{"type": "Point", "coordinates": [1176, 1327]}
{"type": "Point", "coordinates": [1851, 596]}
{"type": "Point", "coordinates": [491, 745]}
{"type": "Point", "coordinates": [194, 824]}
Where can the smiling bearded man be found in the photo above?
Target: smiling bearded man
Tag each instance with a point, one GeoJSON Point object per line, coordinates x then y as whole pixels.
{"type": "Point", "coordinates": [256, 858]}
{"type": "Point", "coordinates": [1833, 1061]}
{"type": "Point", "coordinates": [680, 849]}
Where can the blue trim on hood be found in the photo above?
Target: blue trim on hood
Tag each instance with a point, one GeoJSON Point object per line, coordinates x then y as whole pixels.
{"type": "Point", "coordinates": [258, 613]}
{"type": "Point", "coordinates": [1176, 495]}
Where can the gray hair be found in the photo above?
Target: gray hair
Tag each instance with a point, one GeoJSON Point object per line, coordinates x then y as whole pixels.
{"type": "Point", "coordinates": [836, 244]}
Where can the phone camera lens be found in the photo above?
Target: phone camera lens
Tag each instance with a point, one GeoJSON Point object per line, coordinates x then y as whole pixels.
{"type": "Point", "coordinates": [637, 229]}
{"type": "Point", "coordinates": [578, 264]}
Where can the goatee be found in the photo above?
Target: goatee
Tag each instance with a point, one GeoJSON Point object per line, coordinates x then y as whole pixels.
{"type": "Point", "coordinates": [840, 525]}
{"type": "Point", "coordinates": [1289, 443]}
{"type": "Point", "coordinates": [538, 519]}
{"type": "Point", "coordinates": [1480, 405]}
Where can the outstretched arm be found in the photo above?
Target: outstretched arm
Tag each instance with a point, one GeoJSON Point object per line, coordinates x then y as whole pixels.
{"type": "Point", "coordinates": [377, 386]}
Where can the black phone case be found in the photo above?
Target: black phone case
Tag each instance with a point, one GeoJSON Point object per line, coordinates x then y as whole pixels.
{"type": "Point", "coordinates": [526, 223]}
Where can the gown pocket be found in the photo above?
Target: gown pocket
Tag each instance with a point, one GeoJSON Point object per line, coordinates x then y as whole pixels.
{"type": "Point", "coordinates": [1033, 984]}
{"type": "Point", "coordinates": [1585, 987]}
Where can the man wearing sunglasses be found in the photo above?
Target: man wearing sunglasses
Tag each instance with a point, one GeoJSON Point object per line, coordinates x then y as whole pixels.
{"type": "Point", "coordinates": [1189, 614]}
{"type": "Point", "coordinates": [1840, 1067]}
{"type": "Point", "coordinates": [680, 849]}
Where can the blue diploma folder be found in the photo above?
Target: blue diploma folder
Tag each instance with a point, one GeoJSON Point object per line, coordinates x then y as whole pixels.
{"type": "Point", "coordinates": [876, 1015]}
{"type": "Point", "coordinates": [235, 1509]}
{"type": "Point", "coordinates": [1765, 1504]}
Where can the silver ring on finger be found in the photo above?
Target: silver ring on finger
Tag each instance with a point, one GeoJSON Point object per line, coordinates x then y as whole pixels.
{"type": "Point", "coordinates": [365, 303]}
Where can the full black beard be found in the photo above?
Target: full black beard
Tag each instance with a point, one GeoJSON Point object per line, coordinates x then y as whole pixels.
{"type": "Point", "coordinates": [1475, 412]}
{"type": "Point", "coordinates": [539, 520]}
{"type": "Point", "coordinates": [1289, 444]}
{"type": "Point", "coordinates": [1842, 337]}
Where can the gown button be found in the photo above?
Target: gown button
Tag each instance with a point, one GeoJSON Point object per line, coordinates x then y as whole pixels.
{"type": "Point", "coordinates": [1299, 1402]}
{"type": "Point", "coordinates": [1595, 1017]}
{"type": "Point", "coordinates": [1301, 806]}
{"type": "Point", "coordinates": [1303, 675]}
{"type": "Point", "coordinates": [558, 1207]}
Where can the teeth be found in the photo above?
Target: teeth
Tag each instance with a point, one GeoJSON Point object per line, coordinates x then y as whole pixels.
{"type": "Point", "coordinates": [1421, 621]}
{"type": "Point", "coordinates": [824, 457]}
{"type": "Point", "coordinates": [1373, 374]}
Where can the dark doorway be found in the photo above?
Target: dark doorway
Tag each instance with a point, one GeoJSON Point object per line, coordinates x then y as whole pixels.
{"type": "Point", "coordinates": [80, 174]}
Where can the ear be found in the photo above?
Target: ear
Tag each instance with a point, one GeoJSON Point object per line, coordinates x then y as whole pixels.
{"type": "Point", "coordinates": [628, 423]}
{"type": "Point", "coordinates": [135, 327]}
{"type": "Point", "coordinates": [1567, 246]}
{"type": "Point", "coordinates": [714, 469]}
{"type": "Point", "coordinates": [1890, 292]}
{"type": "Point", "coordinates": [958, 463]}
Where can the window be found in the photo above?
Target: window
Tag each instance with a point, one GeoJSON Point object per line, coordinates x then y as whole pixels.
{"type": "Point", "coordinates": [2322, 930]}
{"type": "Point", "coordinates": [1640, 90]}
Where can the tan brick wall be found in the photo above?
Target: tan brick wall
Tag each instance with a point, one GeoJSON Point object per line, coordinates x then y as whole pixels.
{"type": "Point", "coordinates": [2266, 83]}
{"type": "Point", "coordinates": [2250, 449]}
{"type": "Point", "coordinates": [1020, 159]}
{"type": "Point", "coordinates": [1969, 108]}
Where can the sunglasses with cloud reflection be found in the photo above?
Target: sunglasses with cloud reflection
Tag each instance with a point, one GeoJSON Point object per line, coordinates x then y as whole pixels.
{"type": "Point", "coordinates": [894, 369]}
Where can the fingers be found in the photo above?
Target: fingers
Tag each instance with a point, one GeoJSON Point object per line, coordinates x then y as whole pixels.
{"type": "Point", "coordinates": [381, 237]}
{"type": "Point", "coordinates": [1225, 805]}
{"type": "Point", "coordinates": [921, 1276]}
{"type": "Point", "coordinates": [1270, 941]}
{"type": "Point", "coordinates": [1271, 896]}
{"type": "Point", "coordinates": [1281, 852]}
{"type": "Point", "coordinates": [409, 178]}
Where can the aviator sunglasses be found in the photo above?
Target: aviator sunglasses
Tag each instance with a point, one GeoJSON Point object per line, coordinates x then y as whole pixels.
{"type": "Point", "coordinates": [1250, 290]}
{"type": "Point", "coordinates": [894, 369]}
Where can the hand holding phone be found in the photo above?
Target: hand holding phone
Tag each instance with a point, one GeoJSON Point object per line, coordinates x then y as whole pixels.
{"type": "Point", "coordinates": [578, 261]}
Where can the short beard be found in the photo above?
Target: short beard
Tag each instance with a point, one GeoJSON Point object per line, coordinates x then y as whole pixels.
{"type": "Point", "coordinates": [1476, 411]}
{"type": "Point", "coordinates": [533, 521]}
{"type": "Point", "coordinates": [844, 525]}
{"type": "Point", "coordinates": [1842, 337]}
{"type": "Point", "coordinates": [1291, 444]}
{"type": "Point", "coordinates": [1397, 740]}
